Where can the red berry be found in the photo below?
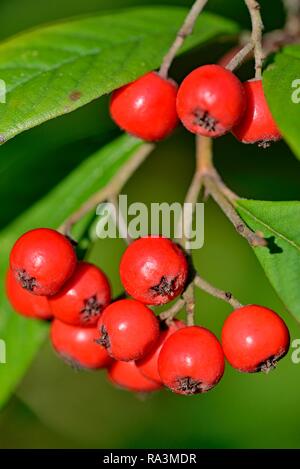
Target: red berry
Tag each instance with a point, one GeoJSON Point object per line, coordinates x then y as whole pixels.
{"type": "Point", "coordinates": [148, 365]}
{"type": "Point", "coordinates": [191, 361]}
{"type": "Point", "coordinates": [127, 376]}
{"type": "Point", "coordinates": [210, 101]}
{"type": "Point", "coordinates": [154, 270]}
{"type": "Point", "coordinates": [257, 124]}
{"type": "Point", "coordinates": [254, 338]}
{"type": "Point", "coordinates": [77, 346]}
{"type": "Point", "coordinates": [24, 302]}
{"type": "Point", "coordinates": [42, 260]}
{"type": "Point", "coordinates": [146, 107]}
{"type": "Point", "coordinates": [83, 298]}
{"type": "Point", "coordinates": [128, 330]}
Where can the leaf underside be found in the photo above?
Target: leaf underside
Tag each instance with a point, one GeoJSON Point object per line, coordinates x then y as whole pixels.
{"type": "Point", "coordinates": [279, 222]}
{"type": "Point", "coordinates": [55, 69]}
{"type": "Point", "coordinates": [279, 86]}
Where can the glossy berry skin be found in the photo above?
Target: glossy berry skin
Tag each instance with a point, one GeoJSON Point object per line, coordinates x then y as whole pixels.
{"type": "Point", "coordinates": [191, 361]}
{"type": "Point", "coordinates": [148, 365]}
{"type": "Point", "coordinates": [127, 376]}
{"type": "Point", "coordinates": [83, 297]}
{"type": "Point", "coordinates": [42, 260]}
{"type": "Point", "coordinates": [254, 338]}
{"type": "Point", "coordinates": [146, 107]}
{"type": "Point", "coordinates": [257, 124]}
{"type": "Point", "coordinates": [210, 101]}
{"type": "Point", "coordinates": [24, 302]}
{"type": "Point", "coordinates": [128, 330]}
{"type": "Point", "coordinates": [154, 270]}
{"type": "Point", "coordinates": [77, 346]}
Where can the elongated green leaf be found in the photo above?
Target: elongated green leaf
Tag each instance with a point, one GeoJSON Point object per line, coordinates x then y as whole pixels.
{"type": "Point", "coordinates": [24, 336]}
{"type": "Point", "coordinates": [47, 153]}
{"type": "Point", "coordinates": [282, 87]}
{"type": "Point", "coordinates": [58, 68]}
{"type": "Point", "coordinates": [279, 222]}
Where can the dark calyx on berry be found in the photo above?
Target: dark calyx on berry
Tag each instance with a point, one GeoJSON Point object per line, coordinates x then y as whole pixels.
{"type": "Point", "coordinates": [92, 307]}
{"type": "Point", "coordinates": [265, 143]}
{"type": "Point", "coordinates": [166, 287]}
{"type": "Point", "coordinates": [205, 120]}
{"type": "Point", "coordinates": [104, 338]}
{"type": "Point", "coordinates": [27, 282]}
{"type": "Point", "coordinates": [188, 385]}
{"type": "Point", "coordinates": [269, 364]}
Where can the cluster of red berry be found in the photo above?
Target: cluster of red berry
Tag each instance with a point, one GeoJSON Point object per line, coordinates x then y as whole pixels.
{"type": "Point", "coordinates": [211, 101]}
{"type": "Point", "coordinates": [140, 352]}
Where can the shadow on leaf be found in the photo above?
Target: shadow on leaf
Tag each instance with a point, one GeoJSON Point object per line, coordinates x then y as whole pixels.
{"type": "Point", "coordinates": [272, 246]}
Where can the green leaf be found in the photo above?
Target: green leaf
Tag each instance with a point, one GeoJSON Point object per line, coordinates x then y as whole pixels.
{"type": "Point", "coordinates": [24, 336]}
{"type": "Point", "coordinates": [55, 69]}
{"type": "Point", "coordinates": [46, 154]}
{"type": "Point", "coordinates": [279, 222]}
{"type": "Point", "coordinates": [281, 83]}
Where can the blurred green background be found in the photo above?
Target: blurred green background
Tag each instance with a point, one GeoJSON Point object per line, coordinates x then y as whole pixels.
{"type": "Point", "coordinates": [54, 407]}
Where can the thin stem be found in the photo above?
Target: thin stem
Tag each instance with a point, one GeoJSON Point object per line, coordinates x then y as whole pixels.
{"type": "Point", "coordinates": [170, 313]}
{"type": "Point", "coordinates": [229, 210]}
{"type": "Point", "coordinates": [256, 37]}
{"type": "Point", "coordinates": [292, 8]}
{"type": "Point", "coordinates": [189, 297]}
{"type": "Point", "coordinates": [273, 40]}
{"type": "Point", "coordinates": [111, 189]}
{"type": "Point", "coordinates": [223, 196]}
{"type": "Point", "coordinates": [240, 56]}
{"type": "Point", "coordinates": [184, 226]}
{"type": "Point", "coordinates": [204, 155]}
{"type": "Point", "coordinates": [193, 192]}
{"type": "Point", "coordinates": [194, 189]}
{"type": "Point", "coordinates": [226, 191]}
{"type": "Point", "coordinates": [119, 220]}
{"type": "Point", "coordinates": [211, 290]}
{"type": "Point", "coordinates": [206, 166]}
{"type": "Point", "coordinates": [185, 31]}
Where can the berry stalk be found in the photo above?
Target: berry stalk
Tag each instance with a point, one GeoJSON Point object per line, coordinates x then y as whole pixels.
{"type": "Point", "coordinates": [112, 189]}
{"type": "Point", "coordinates": [185, 31]}
{"type": "Point", "coordinates": [222, 195]}
{"type": "Point", "coordinates": [256, 37]}
{"type": "Point", "coordinates": [213, 291]}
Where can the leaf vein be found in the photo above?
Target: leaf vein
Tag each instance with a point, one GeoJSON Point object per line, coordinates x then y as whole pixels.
{"type": "Point", "coordinates": [270, 228]}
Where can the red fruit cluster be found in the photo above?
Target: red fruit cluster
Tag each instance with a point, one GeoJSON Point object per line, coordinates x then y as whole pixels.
{"type": "Point", "coordinates": [210, 101]}
{"type": "Point", "coordinates": [45, 281]}
{"type": "Point", "coordinates": [141, 353]}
